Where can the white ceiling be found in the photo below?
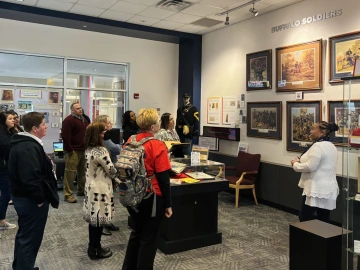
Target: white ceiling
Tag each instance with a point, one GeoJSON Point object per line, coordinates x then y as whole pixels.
{"type": "Point", "coordinates": [145, 12]}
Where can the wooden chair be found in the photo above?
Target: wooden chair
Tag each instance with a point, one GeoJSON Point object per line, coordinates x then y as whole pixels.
{"type": "Point", "coordinates": [246, 173]}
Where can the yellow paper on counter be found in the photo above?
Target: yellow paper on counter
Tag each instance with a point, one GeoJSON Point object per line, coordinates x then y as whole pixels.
{"type": "Point", "coordinates": [189, 180]}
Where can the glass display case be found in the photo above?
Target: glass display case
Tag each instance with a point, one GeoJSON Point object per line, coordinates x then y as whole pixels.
{"type": "Point", "coordinates": [349, 124]}
{"type": "Point", "coordinates": [207, 170]}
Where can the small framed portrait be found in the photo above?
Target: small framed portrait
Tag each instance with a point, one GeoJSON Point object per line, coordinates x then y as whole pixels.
{"type": "Point", "coordinates": [300, 116]}
{"type": "Point", "coordinates": [344, 50]}
{"type": "Point", "coordinates": [299, 67]}
{"type": "Point", "coordinates": [7, 95]}
{"type": "Point", "coordinates": [346, 116]}
{"type": "Point", "coordinates": [54, 97]}
{"type": "Point", "coordinates": [264, 119]}
{"type": "Point", "coordinates": [259, 70]}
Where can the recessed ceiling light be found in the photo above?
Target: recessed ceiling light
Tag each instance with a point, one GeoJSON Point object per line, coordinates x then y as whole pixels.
{"type": "Point", "coordinates": [84, 26]}
{"type": "Point", "coordinates": [19, 0]}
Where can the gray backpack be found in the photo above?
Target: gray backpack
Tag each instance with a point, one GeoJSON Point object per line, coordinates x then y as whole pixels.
{"type": "Point", "coordinates": [131, 171]}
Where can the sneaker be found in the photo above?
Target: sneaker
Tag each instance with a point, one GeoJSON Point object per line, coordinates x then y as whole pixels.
{"type": "Point", "coordinates": [7, 226]}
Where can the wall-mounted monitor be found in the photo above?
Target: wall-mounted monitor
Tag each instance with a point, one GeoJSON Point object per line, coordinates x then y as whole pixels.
{"type": "Point", "coordinates": [224, 133]}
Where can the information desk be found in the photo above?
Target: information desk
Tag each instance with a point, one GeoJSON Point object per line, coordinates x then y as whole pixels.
{"type": "Point", "coordinates": [194, 223]}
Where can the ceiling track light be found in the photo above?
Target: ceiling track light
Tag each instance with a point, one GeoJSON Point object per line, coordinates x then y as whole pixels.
{"type": "Point", "coordinates": [227, 22]}
{"type": "Point", "coordinates": [253, 10]}
{"type": "Point", "coordinates": [226, 12]}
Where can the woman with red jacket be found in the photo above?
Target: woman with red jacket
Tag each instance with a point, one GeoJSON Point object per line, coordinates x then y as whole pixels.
{"type": "Point", "coordinates": [142, 246]}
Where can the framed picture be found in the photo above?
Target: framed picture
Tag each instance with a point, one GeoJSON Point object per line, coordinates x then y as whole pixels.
{"type": "Point", "coordinates": [53, 97]}
{"type": "Point", "coordinates": [258, 70]}
{"type": "Point", "coordinates": [24, 105]}
{"type": "Point", "coordinates": [264, 119]}
{"type": "Point", "coordinates": [7, 95]}
{"type": "Point", "coordinates": [300, 116]}
{"type": "Point", "coordinates": [343, 51]}
{"type": "Point", "coordinates": [346, 116]}
{"type": "Point", "coordinates": [299, 67]}
{"type": "Point", "coordinates": [30, 93]}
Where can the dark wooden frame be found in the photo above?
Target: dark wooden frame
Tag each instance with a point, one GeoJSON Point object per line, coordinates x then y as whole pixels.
{"type": "Point", "coordinates": [249, 57]}
{"type": "Point", "coordinates": [333, 78]}
{"type": "Point", "coordinates": [300, 147]}
{"type": "Point", "coordinates": [305, 86]}
{"type": "Point", "coordinates": [332, 104]}
{"type": "Point", "coordinates": [274, 135]}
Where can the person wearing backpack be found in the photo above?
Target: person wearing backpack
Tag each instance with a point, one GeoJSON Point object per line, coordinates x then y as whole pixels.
{"type": "Point", "coordinates": [142, 245]}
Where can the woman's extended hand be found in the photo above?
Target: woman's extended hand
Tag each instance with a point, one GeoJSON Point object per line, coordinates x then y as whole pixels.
{"type": "Point", "coordinates": [294, 161]}
{"type": "Point", "coordinates": [168, 212]}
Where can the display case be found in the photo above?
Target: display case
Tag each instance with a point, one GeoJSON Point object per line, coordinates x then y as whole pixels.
{"type": "Point", "coordinates": [207, 170]}
{"type": "Point", "coordinates": [194, 222]}
{"type": "Point", "coordinates": [348, 125]}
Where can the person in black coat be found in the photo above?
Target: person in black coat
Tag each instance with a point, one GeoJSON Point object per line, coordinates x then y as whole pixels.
{"type": "Point", "coordinates": [129, 125]}
{"type": "Point", "coordinates": [33, 188]}
{"type": "Point", "coordinates": [6, 132]}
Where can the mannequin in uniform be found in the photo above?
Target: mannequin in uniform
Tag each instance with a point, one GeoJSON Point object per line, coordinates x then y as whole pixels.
{"type": "Point", "coordinates": [187, 123]}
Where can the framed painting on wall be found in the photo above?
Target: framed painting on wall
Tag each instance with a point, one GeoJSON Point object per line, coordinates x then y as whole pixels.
{"type": "Point", "coordinates": [299, 67]}
{"type": "Point", "coordinates": [259, 70]}
{"type": "Point", "coordinates": [7, 95]}
{"type": "Point", "coordinates": [346, 116]}
{"type": "Point", "coordinates": [344, 50]}
{"type": "Point", "coordinates": [300, 116]}
{"type": "Point", "coordinates": [264, 119]}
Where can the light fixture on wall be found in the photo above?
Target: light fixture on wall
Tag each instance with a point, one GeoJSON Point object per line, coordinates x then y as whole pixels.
{"type": "Point", "coordinates": [227, 22]}
{"type": "Point", "coordinates": [253, 10]}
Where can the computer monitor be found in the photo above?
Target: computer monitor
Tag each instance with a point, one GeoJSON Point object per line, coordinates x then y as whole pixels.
{"type": "Point", "coordinates": [58, 147]}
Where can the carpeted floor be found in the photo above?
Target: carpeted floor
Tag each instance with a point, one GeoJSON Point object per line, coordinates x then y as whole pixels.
{"type": "Point", "coordinates": [254, 237]}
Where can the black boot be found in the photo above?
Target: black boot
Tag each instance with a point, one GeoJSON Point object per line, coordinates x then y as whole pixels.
{"type": "Point", "coordinates": [98, 253]}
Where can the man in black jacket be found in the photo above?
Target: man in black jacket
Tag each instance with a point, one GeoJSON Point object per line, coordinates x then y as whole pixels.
{"type": "Point", "coordinates": [33, 187]}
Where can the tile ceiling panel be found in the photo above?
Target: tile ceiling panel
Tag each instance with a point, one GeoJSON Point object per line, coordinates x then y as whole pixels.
{"type": "Point", "coordinates": [97, 3]}
{"type": "Point", "coordinates": [116, 16]}
{"type": "Point", "coordinates": [68, 1]}
{"type": "Point", "coordinates": [168, 25]}
{"type": "Point", "coordinates": [143, 20]}
{"type": "Point", "coordinates": [157, 13]}
{"type": "Point", "coordinates": [191, 28]}
{"type": "Point", "coordinates": [223, 3]}
{"type": "Point", "coordinates": [54, 5]}
{"type": "Point", "coordinates": [145, 2]}
{"type": "Point", "coordinates": [26, 3]}
{"type": "Point", "coordinates": [128, 7]}
{"type": "Point", "coordinates": [183, 18]}
{"type": "Point", "coordinates": [200, 10]}
{"type": "Point", "coordinates": [89, 11]}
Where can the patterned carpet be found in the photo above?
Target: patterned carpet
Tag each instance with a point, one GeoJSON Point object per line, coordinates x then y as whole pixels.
{"type": "Point", "coordinates": [254, 237]}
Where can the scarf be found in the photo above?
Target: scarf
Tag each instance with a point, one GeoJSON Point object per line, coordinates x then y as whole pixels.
{"type": "Point", "coordinates": [321, 139]}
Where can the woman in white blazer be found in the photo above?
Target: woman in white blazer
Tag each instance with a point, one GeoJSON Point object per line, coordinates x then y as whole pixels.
{"type": "Point", "coordinates": [318, 174]}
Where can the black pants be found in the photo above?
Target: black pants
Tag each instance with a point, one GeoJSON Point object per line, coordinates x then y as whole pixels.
{"type": "Point", "coordinates": [32, 221]}
{"type": "Point", "coordinates": [307, 212]}
{"type": "Point", "coordinates": [142, 246]}
{"type": "Point", "coordinates": [95, 236]}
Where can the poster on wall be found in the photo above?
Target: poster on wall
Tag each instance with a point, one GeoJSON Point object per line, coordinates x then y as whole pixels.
{"type": "Point", "coordinates": [7, 95]}
{"type": "Point", "coordinates": [53, 97]}
{"type": "Point", "coordinates": [30, 93]}
{"type": "Point", "coordinates": [228, 110]}
{"type": "Point", "coordinates": [240, 101]}
{"type": "Point", "coordinates": [213, 110]}
{"type": "Point", "coordinates": [24, 105]}
{"type": "Point", "coordinates": [7, 107]}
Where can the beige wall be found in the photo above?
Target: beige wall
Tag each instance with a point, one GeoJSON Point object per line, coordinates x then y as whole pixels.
{"type": "Point", "coordinates": [224, 65]}
{"type": "Point", "coordinates": [153, 65]}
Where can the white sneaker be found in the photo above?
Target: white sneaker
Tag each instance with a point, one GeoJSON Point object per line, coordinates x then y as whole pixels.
{"type": "Point", "coordinates": [7, 226]}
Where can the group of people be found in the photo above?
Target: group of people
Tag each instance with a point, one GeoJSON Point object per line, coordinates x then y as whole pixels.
{"type": "Point", "coordinates": [90, 155]}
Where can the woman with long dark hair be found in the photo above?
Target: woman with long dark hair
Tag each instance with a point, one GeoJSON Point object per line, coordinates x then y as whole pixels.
{"type": "Point", "coordinates": [129, 125]}
{"type": "Point", "coordinates": [7, 130]}
{"type": "Point", "coordinates": [318, 173]}
{"type": "Point", "coordinates": [167, 130]}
